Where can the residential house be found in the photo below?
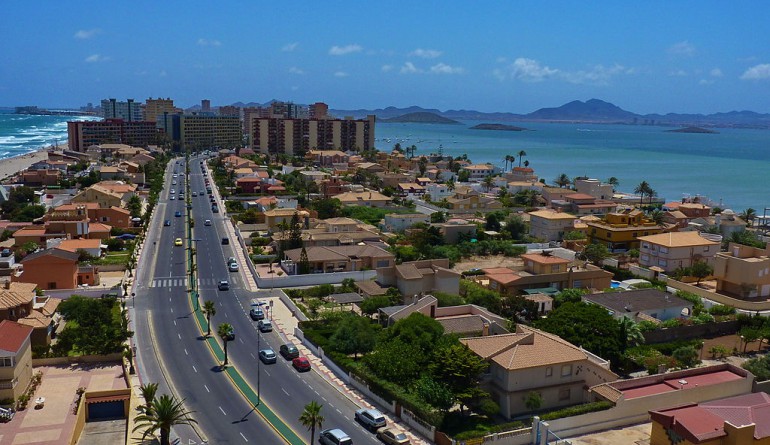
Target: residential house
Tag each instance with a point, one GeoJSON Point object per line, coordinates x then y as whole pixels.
{"type": "Point", "coordinates": [55, 269]}
{"type": "Point", "coordinates": [40, 178]}
{"type": "Point", "coordinates": [743, 420]}
{"type": "Point", "coordinates": [522, 174]}
{"type": "Point", "coordinates": [410, 189]}
{"type": "Point", "coordinates": [596, 188]}
{"type": "Point", "coordinates": [313, 175]}
{"type": "Point", "coordinates": [335, 232]}
{"type": "Point", "coordinates": [107, 194]}
{"type": "Point", "coordinates": [19, 303]}
{"type": "Point", "coordinates": [582, 204]}
{"type": "Point", "coordinates": [108, 172]}
{"type": "Point", "coordinates": [74, 226]}
{"type": "Point", "coordinates": [621, 230]}
{"type": "Point", "coordinates": [142, 159]}
{"type": "Point", "coordinates": [393, 180]}
{"type": "Point", "coordinates": [112, 216]}
{"type": "Point", "coordinates": [455, 229]}
{"type": "Point", "coordinates": [694, 209]}
{"type": "Point", "coordinates": [480, 171]}
{"type": "Point", "coordinates": [398, 222]}
{"type": "Point", "coordinates": [371, 167]}
{"type": "Point", "coordinates": [93, 247]}
{"type": "Point", "coordinates": [15, 359]}
{"type": "Point", "coordinates": [274, 218]}
{"type": "Point", "coordinates": [520, 186]}
{"type": "Point", "coordinates": [339, 259]}
{"type": "Point", "coordinates": [467, 319]}
{"type": "Point", "coordinates": [743, 271]}
{"type": "Point", "coordinates": [726, 223]}
{"type": "Point", "coordinates": [327, 158]}
{"type": "Point", "coordinates": [551, 194]}
{"type": "Point", "coordinates": [675, 250]}
{"type": "Point", "coordinates": [420, 277]}
{"type": "Point", "coordinates": [677, 218]}
{"type": "Point", "coordinates": [365, 198]}
{"type": "Point", "coordinates": [546, 273]}
{"type": "Point", "coordinates": [641, 304]}
{"type": "Point", "coordinates": [473, 203]}
{"type": "Point", "coordinates": [550, 225]}
{"type": "Point", "coordinates": [332, 186]}
{"type": "Point", "coordinates": [438, 192]}
{"type": "Point", "coordinates": [530, 360]}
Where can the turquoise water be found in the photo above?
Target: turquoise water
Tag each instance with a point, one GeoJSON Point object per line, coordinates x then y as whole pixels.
{"type": "Point", "coordinates": [20, 134]}
{"type": "Point", "coordinates": [732, 166]}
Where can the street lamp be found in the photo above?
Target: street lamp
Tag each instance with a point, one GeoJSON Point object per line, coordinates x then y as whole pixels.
{"type": "Point", "coordinates": [133, 299]}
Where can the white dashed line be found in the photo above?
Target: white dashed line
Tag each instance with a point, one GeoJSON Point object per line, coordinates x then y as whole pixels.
{"type": "Point", "coordinates": [194, 369]}
{"type": "Point", "coordinates": [207, 388]}
{"type": "Point", "coordinates": [244, 437]}
{"type": "Point", "coordinates": [223, 411]}
{"type": "Point", "coordinates": [185, 351]}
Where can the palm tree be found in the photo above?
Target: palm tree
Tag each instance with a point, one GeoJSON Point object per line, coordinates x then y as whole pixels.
{"type": "Point", "coordinates": [209, 309]}
{"type": "Point", "coordinates": [562, 180]}
{"type": "Point", "coordinates": [641, 190]}
{"type": "Point", "coordinates": [630, 335]}
{"type": "Point", "coordinates": [506, 158]}
{"type": "Point", "coordinates": [522, 153]}
{"type": "Point", "coordinates": [489, 182]}
{"type": "Point", "coordinates": [651, 193]}
{"type": "Point", "coordinates": [311, 418]}
{"type": "Point", "coordinates": [164, 413]}
{"type": "Point", "coordinates": [614, 182]}
{"type": "Point", "coordinates": [225, 330]}
{"type": "Point", "coordinates": [748, 215]}
{"type": "Point", "coordinates": [148, 391]}
{"type": "Point", "coordinates": [526, 163]}
{"type": "Point", "coordinates": [657, 217]}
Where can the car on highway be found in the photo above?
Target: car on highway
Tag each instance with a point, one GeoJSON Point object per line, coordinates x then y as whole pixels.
{"type": "Point", "coordinates": [371, 419]}
{"type": "Point", "coordinates": [225, 241]}
{"type": "Point", "coordinates": [391, 436]}
{"type": "Point", "coordinates": [194, 194]}
{"type": "Point", "coordinates": [230, 335]}
{"type": "Point", "coordinates": [301, 364]}
{"type": "Point", "coordinates": [173, 182]}
{"type": "Point", "coordinates": [232, 267]}
{"type": "Point", "coordinates": [256, 313]}
{"type": "Point", "coordinates": [167, 222]}
{"type": "Point", "coordinates": [178, 242]}
{"type": "Point", "coordinates": [265, 326]}
{"type": "Point", "coordinates": [207, 222]}
{"type": "Point", "coordinates": [177, 213]}
{"type": "Point", "coordinates": [267, 356]}
{"type": "Point", "coordinates": [334, 436]}
{"type": "Point", "coordinates": [214, 209]}
{"type": "Point", "coordinates": [223, 285]}
{"type": "Point", "coordinates": [288, 351]}
{"type": "Point", "coordinates": [172, 198]}
{"type": "Point", "coordinates": [172, 191]}
{"type": "Point", "coordinates": [175, 175]}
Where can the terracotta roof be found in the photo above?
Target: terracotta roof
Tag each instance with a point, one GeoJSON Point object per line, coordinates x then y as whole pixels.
{"type": "Point", "coordinates": [72, 245]}
{"type": "Point", "coordinates": [607, 391]}
{"type": "Point", "coordinates": [98, 227]}
{"type": "Point", "coordinates": [463, 324]}
{"type": "Point", "coordinates": [552, 214]}
{"type": "Point", "coordinates": [678, 239]}
{"type": "Point", "coordinates": [408, 272]}
{"type": "Point", "coordinates": [77, 205]}
{"type": "Point", "coordinates": [544, 259]}
{"type": "Point", "coordinates": [371, 287]}
{"type": "Point", "coordinates": [17, 294]}
{"type": "Point", "coordinates": [353, 197]}
{"type": "Point", "coordinates": [575, 196]}
{"type": "Point", "coordinates": [50, 306]}
{"type": "Point", "coordinates": [527, 348]}
{"type": "Point", "coordinates": [13, 335]}
{"type": "Point", "coordinates": [504, 278]}
{"type": "Point", "coordinates": [35, 319]}
{"type": "Point", "coordinates": [59, 253]}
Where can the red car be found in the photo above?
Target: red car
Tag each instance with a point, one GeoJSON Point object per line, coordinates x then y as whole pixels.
{"type": "Point", "coordinates": [301, 364]}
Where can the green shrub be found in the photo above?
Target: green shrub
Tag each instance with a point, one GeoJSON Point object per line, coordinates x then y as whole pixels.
{"type": "Point", "coordinates": [721, 309]}
{"type": "Point", "coordinates": [577, 410]}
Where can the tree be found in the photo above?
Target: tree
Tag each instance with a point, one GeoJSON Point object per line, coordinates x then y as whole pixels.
{"type": "Point", "coordinates": [418, 330]}
{"type": "Point", "coordinates": [642, 189]}
{"type": "Point", "coordinates": [515, 227]}
{"type": "Point", "coordinates": [164, 413]}
{"type": "Point", "coordinates": [438, 217]}
{"type": "Point", "coordinates": [493, 222]}
{"type": "Point", "coordinates": [95, 326]}
{"type": "Point", "coordinates": [295, 233]}
{"type": "Point", "coordinates": [464, 176]}
{"type": "Point", "coordinates": [459, 368]}
{"type": "Point", "coordinates": [436, 393]}
{"type": "Point", "coordinates": [596, 253]}
{"type": "Point", "coordinates": [303, 265]}
{"type": "Point", "coordinates": [534, 401]}
{"type": "Point", "coordinates": [327, 208]}
{"type": "Point", "coordinates": [396, 361]}
{"type": "Point", "coordinates": [748, 215]}
{"type": "Point", "coordinates": [749, 335]}
{"type": "Point", "coordinates": [134, 206]}
{"type": "Point", "coordinates": [489, 182]}
{"type": "Point", "coordinates": [629, 335]}
{"type": "Point", "coordinates": [584, 324]}
{"type": "Point", "coordinates": [209, 309]}
{"type": "Point", "coordinates": [372, 305]}
{"type": "Point", "coordinates": [657, 217]}
{"type": "Point", "coordinates": [701, 270]}
{"type": "Point", "coordinates": [422, 165]}
{"type": "Point", "coordinates": [148, 391]}
{"type": "Point", "coordinates": [354, 335]}
{"type": "Point", "coordinates": [311, 418]}
{"type": "Point", "coordinates": [521, 153]}
{"type": "Point", "coordinates": [687, 356]}
{"type": "Point", "coordinates": [614, 182]}
{"type": "Point", "coordinates": [225, 331]}
{"type": "Point", "coordinates": [562, 180]}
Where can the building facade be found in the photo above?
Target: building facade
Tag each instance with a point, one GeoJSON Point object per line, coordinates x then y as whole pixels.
{"type": "Point", "coordinates": [201, 131]}
{"type": "Point", "coordinates": [674, 250]}
{"type": "Point", "coordinates": [83, 134]}
{"type": "Point", "coordinates": [156, 107]}
{"type": "Point", "coordinates": [128, 111]}
{"type": "Point", "coordinates": [298, 136]}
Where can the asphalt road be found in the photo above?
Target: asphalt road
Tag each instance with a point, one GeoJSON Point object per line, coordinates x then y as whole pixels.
{"type": "Point", "coordinates": [164, 325]}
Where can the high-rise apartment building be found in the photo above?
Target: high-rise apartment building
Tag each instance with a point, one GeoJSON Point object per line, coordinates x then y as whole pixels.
{"type": "Point", "coordinates": [201, 131]}
{"type": "Point", "coordinates": [128, 111]}
{"type": "Point", "coordinates": [297, 136]}
{"type": "Point", "coordinates": [156, 107]}
{"type": "Point", "coordinates": [229, 110]}
{"type": "Point", "coordinates": [83, 134]}
{"type": "Point", "coordinates": [318, 110]}
{"type": "Point", "coordinates": [205, 105]}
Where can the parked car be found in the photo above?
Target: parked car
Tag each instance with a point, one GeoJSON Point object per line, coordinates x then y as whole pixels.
{"type": "Point", "coordinates": [334, 436]}
{"type": "Point", "coordinates": [215, 209]}
{"type": "Point", "coordinates": [301, 364]}
{"type": "Point", "coordinates": [289, 351]}
{"type": "Point", "coordinates": [172, 198]}
{"type": "Point", "coordinates": [167, 222]}
{"type": "Point", "coordinates": [232, 267]}
{"type": "Point", "coordinates": [223, 285]}
{"type": "Point", "coordinates": [265, 326]}
{"type": "Point", "coordinates": [391, 436]}
{"type": "Point", "coordinates": [225, 241]}
{"type": "Point", "coordinates": [256, 313]}
{"type": "Point", "coordinates": [371, 419]}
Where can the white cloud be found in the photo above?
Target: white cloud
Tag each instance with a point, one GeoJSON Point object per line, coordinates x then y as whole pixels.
{"type": "Point", "coordinates": [598, 75]}
{"type": "Point", "coordinates": [757, 72]}
{"type": "Point", "coordinates": [206, 42]}
{"type": "Point", "coordinates": [529, 70]}
{"type": "Point", "coordinates": [93, 58]}
{"type": "Point", "coordinates": [289, 47]}
{"type": "Point", "coordinates": [442, 68]}
{"type": "Point", "coordinates": [409, 68]}
{"type": "Point", "coordinates": [386, 68]}
{"type": "Point", "coordinates": [705, 82]}
{"type": "Point", "coordinates": [678, 73]}
{"type": "Point", "coordinates": [295, 70]}
{"type": "Point", "coordinates": [344, 50]}
{"type": "Point", "coordinates": [87, 33]}
{"type": "Point", "coordinates": [425, 53]}
{"type": "Point", "coordinates": [341, 74]}
{"type": "Point", "coordinates": [716, 72]}
{"type": "Point", "coordinates": [683, 48]}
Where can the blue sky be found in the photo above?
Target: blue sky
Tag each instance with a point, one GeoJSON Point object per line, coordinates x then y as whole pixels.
{"type": "Point", "coordinates": [513, 56]}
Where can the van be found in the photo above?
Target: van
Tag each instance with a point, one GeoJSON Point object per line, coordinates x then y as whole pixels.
{"type": "Point", "coordinates": [334, 436]}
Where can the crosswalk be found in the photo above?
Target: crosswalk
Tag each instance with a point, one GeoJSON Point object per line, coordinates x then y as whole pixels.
{"type": "Point", "coordinates": [213, 282]}
{"type": "Point", "coordinates": [169, 282]}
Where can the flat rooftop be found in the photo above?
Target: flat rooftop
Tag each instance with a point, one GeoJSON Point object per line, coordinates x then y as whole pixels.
{"type": "Point", "coordinates": [674, 384]}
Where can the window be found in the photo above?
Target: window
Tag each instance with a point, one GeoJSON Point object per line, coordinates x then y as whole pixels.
{"type": "Point", "coordinates": [635, 234]}
{"type": "Point", "coordinates": [644, 245]}
{"type": "Point", "coordinates": [707, 248]}
{"type": "Point", "coordinates": [554, 268]}
{"type": "Point", "coordinates": [383, 263]}
{"type": "Point", "coordinates": [577, 284]}
{"type": "Point", "coordinates": [6, 362]}
{"type": "Point", "coordinates": [564, 394]}
{"type": "Point", "coordinates": [663, 249]}
{"type": "Point", "coordinates": [663, 263]}
{"type": "Point", "coordinates": [566, 370]}
{"type": "Point", "coordinates": [609, 234]}
{"type": "Point", "coordinates": [549, 371]}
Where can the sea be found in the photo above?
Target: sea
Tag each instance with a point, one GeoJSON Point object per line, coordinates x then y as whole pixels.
{"type": "Point", "coordinates": [731, 168]}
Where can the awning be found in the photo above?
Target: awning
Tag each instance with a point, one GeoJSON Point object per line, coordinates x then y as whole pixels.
{"type": "Point", "coordinates": [113, 398]}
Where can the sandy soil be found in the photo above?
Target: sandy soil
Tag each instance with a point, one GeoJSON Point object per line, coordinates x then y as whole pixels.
{"type": "Point", "coordinates": [632, 435]}
{"type": "Point", "coordinates": [11, 166]}
{"type": "Point", "coordinates": [485, 262]}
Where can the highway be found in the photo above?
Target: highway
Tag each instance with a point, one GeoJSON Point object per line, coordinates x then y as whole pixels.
{"type": "Point", "coordinates": [169, 345]}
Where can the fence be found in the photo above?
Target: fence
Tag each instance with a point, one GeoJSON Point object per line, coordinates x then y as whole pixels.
{"type": "Point", "coordinates": [312, 279]}
{"type": "Point", "coordinates": [719, 298]}
{"type": "Point", "coordinates": [55, 361]}
{"type": "Point", "coordinates": [706, 330]}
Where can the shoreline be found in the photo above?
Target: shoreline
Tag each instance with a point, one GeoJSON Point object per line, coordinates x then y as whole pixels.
{"type": "Point", "coordinates": [14, 165]}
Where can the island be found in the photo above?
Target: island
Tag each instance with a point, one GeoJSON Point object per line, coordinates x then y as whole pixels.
{"type": "Point", "coordinates": [502, 127]}
{"type": "Point", "coordinates": [420, 118]}
{"type": "Point", "coordinates": [693, 130]}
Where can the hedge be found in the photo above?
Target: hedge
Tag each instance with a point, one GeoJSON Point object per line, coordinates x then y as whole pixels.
{"type": "Point", "coordinates": [577, 410]}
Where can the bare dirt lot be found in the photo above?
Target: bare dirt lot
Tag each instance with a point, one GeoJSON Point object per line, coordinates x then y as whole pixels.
{"type": "Point", "coordinates": [632, 435]}
{"type": "Point", "coordinates": [485, 262]}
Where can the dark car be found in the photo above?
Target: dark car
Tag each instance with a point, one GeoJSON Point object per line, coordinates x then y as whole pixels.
{"type": "Point", "coordinates": [126, 236]}
{"type": "Point", "coordinates": [223, 285]}
{"type": "Point", "coordinates": [177, 213]}
{"type": "Point", "coordinates": [230, 335]}
{"type": "Point", "coordinates": [301, 364]}
{"type": "Point", "coordinates": [288, 351]}
{"type": "Point", "coordinates": [167, 222]}
{"type": "Point", "coordinates": [225, 240]}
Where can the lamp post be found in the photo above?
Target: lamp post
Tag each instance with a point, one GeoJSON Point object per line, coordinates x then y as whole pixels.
{"type": "Point", "coordinates": [133, 299]}
{"type": "Point", "coordinates": [259, 336]}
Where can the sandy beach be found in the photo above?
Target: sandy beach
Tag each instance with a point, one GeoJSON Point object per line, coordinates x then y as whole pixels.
{"type": "Point", "coordinates": [11, 166]}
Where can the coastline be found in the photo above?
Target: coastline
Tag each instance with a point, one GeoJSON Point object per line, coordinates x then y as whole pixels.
{"type": "Point", "coordinates": [16, 164]}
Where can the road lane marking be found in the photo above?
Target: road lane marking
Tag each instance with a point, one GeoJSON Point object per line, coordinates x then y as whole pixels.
{"type": "Point", "coordinates": [223, 411]}
{"type": "Point", "coordinates": [185, 351]}
{"type": "Point", "coordinates": [266, 372]}
{"type": "Point", "coordinates": [172, 310]}
{"type": "Point", "coordinates": [285, 392]}
{"type": "Point", "coordinates": [179, 335]}
{"type": "Point", "coordinates": [252, 356]}
{"type": "Point", "coordinates": [207, 388]}
{"type": "Point", "coordinates": [195, 369]}
{"type": "Point", "coordinates": [174, 322]}
{"type": "Point", "coordinates": [244, 437]}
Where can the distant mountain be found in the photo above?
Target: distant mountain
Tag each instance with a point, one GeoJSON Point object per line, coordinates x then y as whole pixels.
{"type": "Point", "coordinates": [693, 130]}
{"type": "Point", "coordinates": [593, 110]}
{"type": "Point", "coordinates": [499, 127]}
{"type": "Point", "coordinates": [421, 117]}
